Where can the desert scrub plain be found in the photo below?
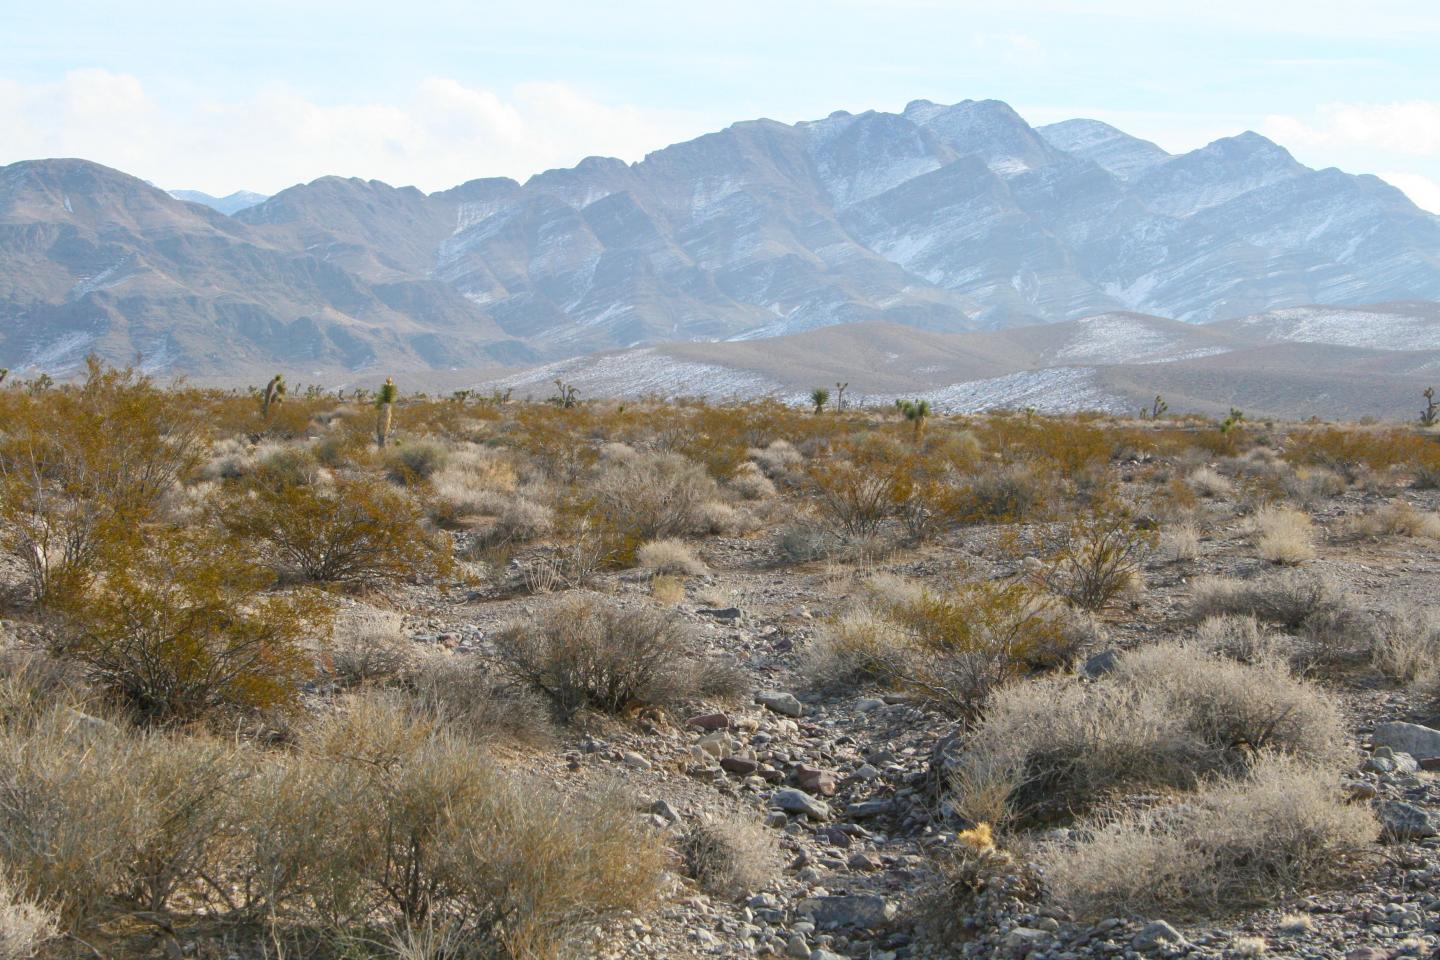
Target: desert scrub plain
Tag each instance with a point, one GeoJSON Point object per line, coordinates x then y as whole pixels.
{"type": "Point", "coordinates": [381, 675]}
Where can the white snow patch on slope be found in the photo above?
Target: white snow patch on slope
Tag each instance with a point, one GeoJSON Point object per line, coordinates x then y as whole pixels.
{"type": "Point", "coordinates": [1052, 390]}
{"type": "Point", "coordinates": [1111, 338]}
{"type": "Point", "coordinates": [1345, 328]}
{"type": "Point", "coordinates": [644, 371]}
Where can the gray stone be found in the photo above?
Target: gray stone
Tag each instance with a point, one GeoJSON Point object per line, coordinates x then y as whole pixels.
{"type": "Point", "coordinates": [781, 702]}
{"type": "Point", "coordinates": [1420, 742]}
{"type": "Point", "coordinates": [662, 808]}
{"type": "Point", "coordinates": [724, 613]}
{"type": "Point", "coordinates": [797, 946]}
{"type": "Point", "coordinates": [1100, 664]}
{"type": "Point", "coordinates": [1158, 935]}
{"type": "Point", "coordinates": [634, 760]}
{"type": "Point", "coordinates": [868, 808]}
{"type": "Point", "coordinates": [798, 801]}
{"type": "Point", "coordinates": [862, 911]}
{"type": "Point", "coordinates": [1405, 821]}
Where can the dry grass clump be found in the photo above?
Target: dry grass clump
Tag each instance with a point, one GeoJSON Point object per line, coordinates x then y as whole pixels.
{"type": "Point", "coordinates": [367, 646]}
{"type": "Point", "coordinates": [462, 695]}
{"type": "Point", "coordinates": [416, 461]}
{"type": "Point", "coordinates": [1309, 486]}
{"type": "Point", "coordinates": [1243, 638]}
{"type": "Point", "coordinates": [1289, 598]}
{"type": "Point", "coordinates": [730, 856]}
{"type": "Point", "coordinates": [948, 647]}
{"type": "Point", "coordinates": [1283, 535]}
{"type": "Point", "coordinates": [584, 652]}
{"type": "Point", "coordinates": [1396, 519]}
{"type": "Point", "coordinates": [1231, 844]}
{"type": "Point", "coordinates": [1211, 484]}
{"type": "Point", "coordinates": [1180, 543]}
{"type": "Point", "coordinates": [1007, 494]}
{"type": "Point", "coordinates": [513, 519]}
{"type": "Point", "coordinates": [1166, 716]}
{"type": "Point", "coordinates": [670, 556]}
{"type": "Point", "coordinates": [25, 926]}
{"type": "Point", "coordinates": [652, 495]}
{"type": "Point", "coordinates": [750, 482]}
{"type": "Point", "coordinates": [1405, 644]}
{"type": "Point", "coordinates": [721, 518]}
{"type": "Point", "coordinates": [107, 824]}
{"type": "Point", "coordinates": [776, 459]}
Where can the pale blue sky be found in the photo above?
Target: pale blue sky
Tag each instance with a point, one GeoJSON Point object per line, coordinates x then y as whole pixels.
{"type": "Point", "coordinates": [259, 95]}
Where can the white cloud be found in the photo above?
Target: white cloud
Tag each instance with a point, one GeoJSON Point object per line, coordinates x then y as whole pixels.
{"type": "Point", "coordinates": [1424, 192]}
{"type": "Point", "coordinates": [1411, 128]}
{"type": "Point", "coordinates": [437, 135]}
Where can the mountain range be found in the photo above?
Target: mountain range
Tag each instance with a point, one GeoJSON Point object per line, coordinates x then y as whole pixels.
{"type": "Point", "coordinates": [944, 218]}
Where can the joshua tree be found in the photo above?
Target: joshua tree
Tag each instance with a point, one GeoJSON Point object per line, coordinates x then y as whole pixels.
{"type": "Point", "coordinates": [566, 394]}
{"type": "Point", "coordinates": [4, 372]}
{"type": "Point", "coordinates": [1428, 417]}
{"type": "Point", "coordinates": [819, 396]}
{"type": "Point", "coordinates": [1158, 408]}
{"type": "Point", "coordinates": [916, 411]}
{"type": "Point", "coordinates": [274, 394]}
{"type": "Point", "coordinates": [41, 383]}
{"type": "Point", "coordinates": [840, 389]}
{"type": "Point", "coordinates": [461, 397]}
{"type": "Point", "coordinates": [1236, 418]}
{"type": "Point", "coordinates": [385, 407]}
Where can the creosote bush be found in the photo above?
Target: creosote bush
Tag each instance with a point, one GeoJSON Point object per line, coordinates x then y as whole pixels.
{"type": "Point", "coordinates": [83, 467]}
{"type": "Point", "coordinates": [184, 628]}
{"type": "Point", "coordinates": [352, 532]}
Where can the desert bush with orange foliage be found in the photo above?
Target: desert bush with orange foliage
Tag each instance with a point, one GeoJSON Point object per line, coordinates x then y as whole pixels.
{"type": "Point", "coordinates": [349, 532]}
{"type": "Point", "coordinates": [83, 467]}
{"type": "Point", "coordinates": [1350, 449]}
{"type": "Point", "coordinates": [183, 626]}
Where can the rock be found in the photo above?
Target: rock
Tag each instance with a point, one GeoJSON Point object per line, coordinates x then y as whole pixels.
{"type": "Point", "coordinates": [662, 808]}
{"type": "Point", "coordinates": [780, 702]}
{"type": "Point", "coordinates": [742, 766]}
{"type": "Point", "coordinates": [797, 801]}
{"type": "Point", "coordinates": [797, 946]}
{"type": "Point", "coordinates": [1022, 939]}
{"type": "Point", "coordinates": [862, 911]}
{"type": "Point", "coordinates": [1361, 790]}
{"type": "Point", "coordinates": [866, 704]}
{"type": "Point", "coordinates": [820, 953]}
{"type": "Point", "coordinates": [710, 721]}
{"type": "Point", "coordinates": [633, 760]}
{"type": "Point", "coordinates": [863, 860]}
{"type": "Point", "coordinates": [1157, 935]}
{"type": "Point", "coordinates": [721, 613]}
{"type": "Point", "coordinates": [1405, 821]}
{"type": "Point", "coordinates": [1420, 742]}
{"type": "Point", "coordinates": [1100, 664]}
{"type": "Point", "coordinates": [868, 808]}
{"type": "Point", "coordinates": [814, 780]}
